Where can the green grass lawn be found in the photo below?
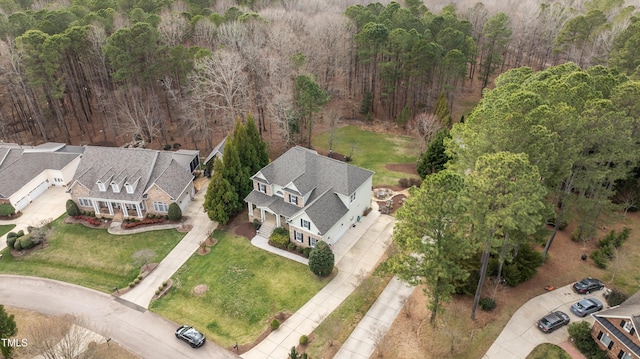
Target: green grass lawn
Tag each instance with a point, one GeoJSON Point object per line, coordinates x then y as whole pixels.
{"type": "Point", "coordinates": [548, 351]}
{"type": "Point", "coordinates": [5, 228]}
{"type": "Point", "coordinates": [373, 151]}
{"type": "Point", "coordinates": [246, 288]}
{"type": "Point", "coordinates": [90, 257]}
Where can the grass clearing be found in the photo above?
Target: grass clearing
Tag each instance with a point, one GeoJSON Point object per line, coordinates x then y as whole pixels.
{"type": "Point", "coordinates": [548, 351]}
{"type": "Point", "coordinates": [373, 151]}
{"type": "Point", "coordinates": [5, 228]}
{"type": "Point", "coordinates": [89, 257]}
{"type": "Point", "coordinates": [341, 322]}
{"type": "Point", "coordinates": [247, 287]}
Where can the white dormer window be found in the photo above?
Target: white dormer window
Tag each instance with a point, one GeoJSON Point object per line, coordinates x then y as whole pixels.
{"type": "Point", "coordinates": [353, 197]}
{"type": "Point", "coordinates": [628, 326]}
{"type": "Point", "coordinates": [293, 199]}
{"type": "Point", "coordinates": [262, 187]}
{"type": "Point", "coordinates": [115, 188]}
{"type": "Point", "coordinates": [129, 188]}
{"type": "Point", "coordinates": [305, 224]}
{"type": "Point", "coordinates": [101, 187]}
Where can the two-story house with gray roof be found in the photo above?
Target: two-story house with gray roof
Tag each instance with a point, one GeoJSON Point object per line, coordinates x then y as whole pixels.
{"type": "Point", "coordinates": [318, 198]}
{"type": "Point", "coordinates": [26, 172]}
{"type": "Point", "coordinates": [133, 182]}
{"type": "Point", "coordinates": [616, 329]}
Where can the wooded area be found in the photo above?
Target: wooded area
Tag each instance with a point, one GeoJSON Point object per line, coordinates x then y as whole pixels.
{"type": "Point", "coordinates": [109, 71]}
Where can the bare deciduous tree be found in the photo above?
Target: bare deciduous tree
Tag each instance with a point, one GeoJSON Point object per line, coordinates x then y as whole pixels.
{"type": "Point", "coordinates": [142, 257]}
{"type": "Point", "coordinates": [63, 337]}
{"type": "Point", "coordinates": [173, 27]}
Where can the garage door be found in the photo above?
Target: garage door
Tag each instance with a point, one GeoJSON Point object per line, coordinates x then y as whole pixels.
{"type": "Point", "coordinates": [38, 190]}
{"type": "Point", "coordinates": [340, 233]}
{"type": "Point", "coordinates": [23, 202]}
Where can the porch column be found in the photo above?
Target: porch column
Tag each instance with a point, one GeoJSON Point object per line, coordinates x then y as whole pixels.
{"type": "Point", "coordinates": [110, 206]}
{"type": "Point", "coordinates": [96, 207]}
{"type": "Point", "coordinates": [277, 220]}
{"type": "Point", "coordinates": [262, 215]}
{"type": "Point", "coordinates": [138, 210]}
{"type": "Point", "coordinates": [124, 209]}
{"type": "Point", "coordinates": [250, 207]}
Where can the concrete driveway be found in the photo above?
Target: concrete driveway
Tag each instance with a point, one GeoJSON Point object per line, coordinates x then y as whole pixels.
{"type": "Point", "coordinates": [520, 336]}
{"type": "Point", "coordinates": [142, 332]}
{"type": "Point", "coordinates": [49, 206]}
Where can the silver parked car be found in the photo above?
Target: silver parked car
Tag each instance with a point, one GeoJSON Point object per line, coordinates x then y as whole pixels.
{"type": "Point", "coordinates": [553, 321]}
{"type": "Point", "coordinates": [586, 307]}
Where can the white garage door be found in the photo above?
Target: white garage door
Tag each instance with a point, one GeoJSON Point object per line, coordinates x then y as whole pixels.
{"type": "Point", "coordinates": [38, 190]}
{"type": "Point", "coordinates": [23, 202]}
{"type": "Point", "coordinates": [340, 233]}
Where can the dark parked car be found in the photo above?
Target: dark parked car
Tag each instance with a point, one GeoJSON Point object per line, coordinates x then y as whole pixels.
{"type": "Point", "coordinates": [553, 321]}
{"type": "Point", "coordinates": [588, 285]}
{"type": "Point", "coordinates": [586, 307]}
{"type": "Point", "coordinates": [191, 336]}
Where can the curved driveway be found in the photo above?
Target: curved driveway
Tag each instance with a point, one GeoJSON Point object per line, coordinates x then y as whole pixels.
{"type": "Point", "coordinates": [142, 332]}
{"type": "Point", "coordinates": [520, 335]}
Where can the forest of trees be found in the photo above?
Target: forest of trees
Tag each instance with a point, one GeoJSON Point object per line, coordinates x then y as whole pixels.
{"type": "Point", "coordinates": [106, 71]}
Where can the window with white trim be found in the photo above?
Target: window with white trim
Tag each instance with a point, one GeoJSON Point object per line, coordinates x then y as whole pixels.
{"type": "Point", "coordinates": [115, 188]}
{"type": "Point", "coordinates": [160, 207]}
{"type": "Point", "coordinates": [293, 199]}
{"type": "Point", "coordinates": [262, 187]}
{"type": "Point", "coordinates": [129, 188]}
{"type": "Point", "coordinates": [298, 236]}
{"type": "Point", "coordinates": [313, 242]}
{"type": "Point", "coordinates": [627, 325]}
{"type": "Point", "coordinates": [624, 355]}
{"type": "Point", "coordinates": [606, 340]}
{"type": "Point", "coordinates": [101, 187]}
{"type": "Point", "coordinates": [305, 224]}
{"type": "Point", "coordinates": [353, 197]}
{"type": "Point", "coordinates": [85, 202]}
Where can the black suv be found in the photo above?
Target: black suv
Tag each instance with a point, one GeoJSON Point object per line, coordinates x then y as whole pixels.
{"type": "Point", "coordinates": [587, 285]}
{"type": "Point", "coordinates": [553, 321]}
{"type": "Point", "coordinates": [191, 336]}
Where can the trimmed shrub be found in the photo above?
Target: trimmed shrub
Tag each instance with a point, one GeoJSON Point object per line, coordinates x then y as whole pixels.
{"type": "Point", "coordinates": [256, 224]}
{"type": "Point", "coordinates": [291, 246]}
{"type": "Point", "coordinates": [321, 259]}
{"type": "Point", "coordinates": [17, 245]}
{"type": "Point", "coordinates": [72, 208]}
{"type": "Point", "coordinates": [20, 233]}
{"type": "Point", "coordinates": [599, 258]}
{"type": "Point", "coordinates": [279, 238]}
{"type": "Point", "coordinates": [275, 324]}
{"type": "Point", "coordinates": [166, 147]}
{"type": "Point", "coordinates": [6, 209]}
{"type": "Point", "coordinates": [140, 277]}
{"type": "Point", "coordinates": [12, 235]}
{"type": "Point", "coordinates": [616, 297]}
{"type": "Point", "coordinates": [580, 332]}
{"type": "Point", "coordinates": [11, 241]}
{"type": "Point", "coordinates": [306, 252]}
{"type": "Point", "coordinates": [164, 284]}
{"type": "Point", "coordinates": [304, 340]}
{"type": "Point", "coordinates": [487, 304]}
{"type": "Point", "coordinates": [157, 291]}
{"type": "Point", "coordinates": [136, 281]}
{"type": "Point", "coordinates": [132, 284]}
{"type": "Point", "coordinates": [299, 249]}
{"type": "Point", "coordinates": [175, 213]}
{"type": "Point", "coordinates": [26, 242]}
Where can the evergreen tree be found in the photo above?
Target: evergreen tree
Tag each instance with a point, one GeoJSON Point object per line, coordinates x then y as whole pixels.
{"type": "Point", "coordinates": [321, 259]}
{"type": "Point", "coordinates": [442, 111]}
{"type": "Point", "coordinates": [8, 329]}
{"type": "Point", "coordinates": [434, 158]}
{"type": "Point", "coordinates": [261, 151]}
{"type": "Point", "coordinates": [221, 200]}
{"type": "Point", "coordinates": [235, 173]}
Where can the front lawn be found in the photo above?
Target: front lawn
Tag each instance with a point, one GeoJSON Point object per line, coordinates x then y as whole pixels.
{"type": "Point", "coordinates": [5, 228]}
{"type": "Point", "coordinates": [247, 286]}
{"type": "Point", "coordinates": [548, 351]}
{"type": "Point", "coordinates": [89, 257]}
{"type": "Point", "coordinates": [373, 151]}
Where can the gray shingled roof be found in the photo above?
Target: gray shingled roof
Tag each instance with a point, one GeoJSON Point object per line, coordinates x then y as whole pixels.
{"type": "Point", "coordinates": [20, 167]}
{"type": "Point", "coordinates": [149, 166]}
{"type": "Point", "coordinates": [217, 151]}
{"type": "Point", "coordinates": [326, 210]}
{"type": "Point", "coordinates": [274, 203]}
{"type": "Point", "coordinates": [629, 309]}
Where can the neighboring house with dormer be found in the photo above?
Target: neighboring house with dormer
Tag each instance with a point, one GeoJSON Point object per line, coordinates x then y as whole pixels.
{"type": "Point", "coordinates": [133, 182]}
{"type": "Point", "coordinates": [616, 329]}
{"type": "Point", "coordinates": [316, 197]}
{"type": "Point", "coordinates": [26, 172]}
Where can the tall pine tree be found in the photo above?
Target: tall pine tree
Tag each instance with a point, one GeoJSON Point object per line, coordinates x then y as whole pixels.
{"type": "Point", "coordinates": [221, 199]}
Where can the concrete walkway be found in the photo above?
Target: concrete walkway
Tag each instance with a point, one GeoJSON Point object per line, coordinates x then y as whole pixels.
{"type": "Point", "coordinates": [357, 254]}
{"type": "Point", "coordinates": [364, 340]}
{"type": "Point", "coordinates": [521, 335]}
{"type": "Point", "coordinates": [47, 207]}
{"type": "Point", "coordinates": [201, 227]}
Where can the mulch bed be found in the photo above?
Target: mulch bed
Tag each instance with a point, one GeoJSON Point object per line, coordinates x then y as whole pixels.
{"type": "Point", "coordinates": [103, 223]}
{"type": "Point", "coordinates": [410, 168]}
{"type": "Point", "coordinates": [398, 201]}
{"type": "Point", "coordinates": [13, 216]}
{"type": "Point", "coordinates": [144, 272]}
{"type": "Point", "coordinates": [241, 349]}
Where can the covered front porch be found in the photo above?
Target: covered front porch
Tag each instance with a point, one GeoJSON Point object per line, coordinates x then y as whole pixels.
{"type": "Point", "coordinates": [265, 215]}
{"type": "Point", "coordinates": [111, 208]}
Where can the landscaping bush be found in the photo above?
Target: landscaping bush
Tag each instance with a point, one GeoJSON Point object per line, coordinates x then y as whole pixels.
{"type": "Point", "coordinates": [580, 332]}
{"type": "Point", "coordinates": [299, 249]}
{"type": "Point", "coordinates": [164, 284]}
{"type": "Point", "coordinates": [6, 209]}
{"type": "Point", "coordinates": [306, 252]}
{"type": "Point", "coordinates": [17, 245]}
{"type": "Point", "coordinates": [26, 242]}
{"type": "Point", "coordinates": [166, 147]}
{"type": "Point", "coordinates": [599, 258]}
{"type": "Point", "coordinates": [279, 238]}
{"type": "Point", "coordinates": [321, 259]}
{"type": "Point", "coordinates": [158, 291]}
{"type": "Point", "coordinates": [175, 213]}
{"type": "Point", "coordinates": [256, 224]}
{"type": "Point", "coordinates": [291, 246]}
{"type": "Point", "coordinates": [72, 208]}
{"type": "Point", "coordinates": [135, 223]}
{"type": "Point", "coordinates": [487, 304]}
{"type": "Point", "coordinates": [132, 284]}
{"type": "Point", "coordinates": [275, 324]}
{"type": "Point", "coordinates": [20, 233]}
{"type": "Point", "coordinates": [304, 340]}
{"type": "Point", "coordinates": [607, 247]}
{"type": "Point", "coordinates": [12, 235]}
{"type": "Point", "coordinates": [616, 297]}
{"type": "Point", "coordinates": [10, 241]}
{"type": "Point", "coordinates": [91, 220]}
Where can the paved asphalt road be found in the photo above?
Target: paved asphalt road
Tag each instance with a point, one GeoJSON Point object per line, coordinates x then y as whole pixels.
{"type": "Point", "coordinates": [142, 332]}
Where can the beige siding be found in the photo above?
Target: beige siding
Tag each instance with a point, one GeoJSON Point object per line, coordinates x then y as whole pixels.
{"type": "Point", "coordinates": [305, 241]}
{"type": "Point", "coordinates": [287, 199]}
{"type": "Point", "coordinates": [156, 195]}
{"type": "Point", "coordinates": [257, 187]}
